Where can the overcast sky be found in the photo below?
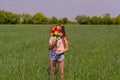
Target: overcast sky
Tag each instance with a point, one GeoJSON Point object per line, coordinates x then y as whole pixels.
{"type": "Point", "coordinates": [62, 8]}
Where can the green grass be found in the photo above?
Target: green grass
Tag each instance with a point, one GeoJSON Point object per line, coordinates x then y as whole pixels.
{"type": "Point", "coordinates": [94, 52]}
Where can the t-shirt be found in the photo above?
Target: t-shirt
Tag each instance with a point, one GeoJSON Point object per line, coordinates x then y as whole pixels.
{"type": "Point", "coordinates": [60, 44]}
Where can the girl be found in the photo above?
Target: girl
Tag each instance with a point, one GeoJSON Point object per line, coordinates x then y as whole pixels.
{"type": "Point", "coordinates": [57, 48]}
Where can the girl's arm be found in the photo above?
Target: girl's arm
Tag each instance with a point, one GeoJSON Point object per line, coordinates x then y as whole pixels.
{"type": "Point", "coordinates": [66, 45]}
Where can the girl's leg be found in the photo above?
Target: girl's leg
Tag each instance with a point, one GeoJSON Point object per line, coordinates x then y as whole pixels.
{"type": "Point", "coordinates": [52, 68]}
{"type": "Point", "coordinates": [61, 69]}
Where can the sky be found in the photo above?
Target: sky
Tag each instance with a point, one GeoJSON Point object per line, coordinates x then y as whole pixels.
{"type": "Point", "coordinates": [62, 8]}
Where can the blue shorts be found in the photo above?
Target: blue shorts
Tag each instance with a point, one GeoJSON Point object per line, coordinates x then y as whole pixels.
{"type": "Point", "coordinates": [59, 57]}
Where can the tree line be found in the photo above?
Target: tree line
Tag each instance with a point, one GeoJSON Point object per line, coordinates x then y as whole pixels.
{"type": "Point", "coordinates": [25, 18]}
{"type": "Point", "coordinates": [105, 19]}
{"type": "Point", "coordinates": [39, 18]}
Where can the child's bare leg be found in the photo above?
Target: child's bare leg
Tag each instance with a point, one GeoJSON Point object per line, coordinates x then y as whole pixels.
{"type": "Point", "coordinates": [61, 69]}
{"type": "Point", "coordinates": [52, 69]}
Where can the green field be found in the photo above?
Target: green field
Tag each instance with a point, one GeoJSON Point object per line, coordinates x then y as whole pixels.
{"type": "Point", "coordinates": [94, 52]}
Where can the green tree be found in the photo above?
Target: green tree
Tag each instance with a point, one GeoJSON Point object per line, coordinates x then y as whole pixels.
{"type": "Point", "coordinates": [117, 19]}
{"type": "Point", "coordinates": [11, 18]}
{"type": "Point", "coordinates": [53, 20]}
{"type": "Point", "coordinates": [39, 18]}
{"type": "Point", "coordinates": [107, 19]}
{"type": "Point", "coordinates": [96, 20]}
{"type": "Point", "coordinates": [26, 18]}
{"type": "Point", "coordinates": [82, 19]}
{"type": "Point", "coordinates": [65, 20]}
{"type": "Point", "coordinates": [15, 19]}
{"type": "Point", "coordinates": [2, 17]}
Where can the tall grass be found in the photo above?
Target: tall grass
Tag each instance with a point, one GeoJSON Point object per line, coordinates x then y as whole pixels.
{"type": "Point", "coordinates": [94, 52]}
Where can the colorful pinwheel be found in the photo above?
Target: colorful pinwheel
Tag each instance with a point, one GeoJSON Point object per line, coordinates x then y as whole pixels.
{"type": "Point", "coordinates": [56, 32]}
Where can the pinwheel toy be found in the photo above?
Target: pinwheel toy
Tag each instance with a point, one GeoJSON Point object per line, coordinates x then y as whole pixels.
{"type": "Point", "coordinates": [56, 32]}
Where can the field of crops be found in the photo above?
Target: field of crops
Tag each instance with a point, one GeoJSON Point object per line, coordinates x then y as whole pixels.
{"type": "Point", "coordinates": [94, 52]}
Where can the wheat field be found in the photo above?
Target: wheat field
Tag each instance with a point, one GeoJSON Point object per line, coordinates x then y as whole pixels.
{"type": "Point", "coordinates": [94, 52]}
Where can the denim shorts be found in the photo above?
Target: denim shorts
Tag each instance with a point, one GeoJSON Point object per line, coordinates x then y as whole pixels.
{"type": "Point", "coordinates": [59, 57]}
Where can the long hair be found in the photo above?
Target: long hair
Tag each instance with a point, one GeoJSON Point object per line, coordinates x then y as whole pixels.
{"type": "Point", "coordinates": [64, 33]}
{"type": "Point", "coordinates": [63, 28]}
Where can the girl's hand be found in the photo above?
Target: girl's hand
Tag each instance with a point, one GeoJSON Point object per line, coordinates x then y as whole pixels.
{"type": "Point", "coordinates": [54, 43]}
